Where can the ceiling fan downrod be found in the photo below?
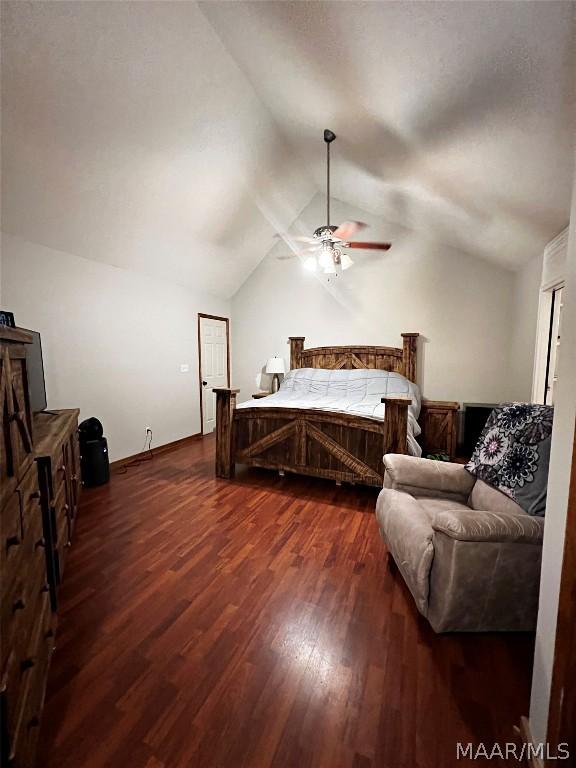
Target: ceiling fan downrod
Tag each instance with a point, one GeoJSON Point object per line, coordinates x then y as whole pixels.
{"type": "Point", "coordinates": [329, 137]}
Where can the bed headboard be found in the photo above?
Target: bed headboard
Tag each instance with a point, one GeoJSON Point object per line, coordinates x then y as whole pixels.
{"type": "Point", "coordinates": [399, 359]}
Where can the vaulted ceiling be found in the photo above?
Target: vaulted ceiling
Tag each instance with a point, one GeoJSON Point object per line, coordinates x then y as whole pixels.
{"type": "Point", "coordinates": [175, 138]}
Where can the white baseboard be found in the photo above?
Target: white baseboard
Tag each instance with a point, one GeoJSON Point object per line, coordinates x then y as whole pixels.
{"type": "Point", "coordinates": [526, 736]}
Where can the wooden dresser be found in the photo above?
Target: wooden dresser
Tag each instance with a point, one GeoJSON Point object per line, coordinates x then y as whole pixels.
{"type": "Point", "coordinates": [27, 539]}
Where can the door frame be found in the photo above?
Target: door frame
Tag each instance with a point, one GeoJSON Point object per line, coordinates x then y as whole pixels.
{"type": "Point", "coordinates": [200, 377]}
{"type": "Point", "coordinates": [544, 326]}
{"type": "Point", "coordinates": [562, 706]}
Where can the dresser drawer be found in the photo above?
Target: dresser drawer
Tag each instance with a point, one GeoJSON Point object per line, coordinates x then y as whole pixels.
{"type": "Point", "coordinates": [12, 675]}
{"type": "Point", "coordinates": [62, 531]}
{"type": "Point", "coordinates": [21, 527]}
{"type": "Point", "coordinates": [11, 523]}
{"type": "Point", "coordinates": [59, 470]}
{"type": "Point", "coordinates": [23, 564]}
{"type": "Point", "coordinates": [19, 608]}
{"type": "Point", "coordinates": [12, 543]}
{"type": "Point", "coordinates": [72, 459]}
{"type": "Point", "coordinates": [61, 517]}
{"type": "Point", "coordinates": [76, 451]}
{"type": "Point", "coordinates": [30, 507]}
{"type": "Point", "coordinates": [25, 685]}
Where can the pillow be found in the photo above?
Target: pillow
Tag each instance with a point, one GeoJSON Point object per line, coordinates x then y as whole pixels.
{"type": "Point", "coordinates": [513, 453]}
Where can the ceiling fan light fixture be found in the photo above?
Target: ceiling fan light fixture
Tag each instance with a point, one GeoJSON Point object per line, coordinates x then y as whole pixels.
{"type": "Point", "coordinates": [310, 264]}
{"type": "Point", "coordinates": [326, 258]}
{"type": "Point", "coordinates": [346, 261]}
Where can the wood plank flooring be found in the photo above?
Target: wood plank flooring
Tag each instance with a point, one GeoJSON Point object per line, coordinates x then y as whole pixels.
{"type": "Point", "coordinates": [256, 623]}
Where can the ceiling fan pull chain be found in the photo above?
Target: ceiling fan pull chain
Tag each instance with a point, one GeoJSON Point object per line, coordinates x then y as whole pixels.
{"type": "Point", "coordinates": [327, 184]}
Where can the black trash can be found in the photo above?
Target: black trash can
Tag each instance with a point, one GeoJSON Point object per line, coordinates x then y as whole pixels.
{"type": "Point", "coordinates": [94, 462]}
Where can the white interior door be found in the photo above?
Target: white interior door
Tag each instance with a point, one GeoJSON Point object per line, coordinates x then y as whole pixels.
{"type": "Point", "coordinates": [213, 367]}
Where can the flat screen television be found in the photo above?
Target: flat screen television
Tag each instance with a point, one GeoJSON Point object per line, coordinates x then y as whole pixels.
{"type": "Point", "coordinates": [35, 366]}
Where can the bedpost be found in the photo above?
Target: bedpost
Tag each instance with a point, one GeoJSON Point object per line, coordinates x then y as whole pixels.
{"type": "Point", "coordinates": [409, 355]}
{"type": "Point", "coordinates": [225, 405]}
{"type": "Point", "coordinates": [296, 349]}
{"type": "Point", "coordinates": [396, 424]}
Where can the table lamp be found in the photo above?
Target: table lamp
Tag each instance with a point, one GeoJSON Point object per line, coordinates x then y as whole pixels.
{"type": "Point", "coordinates": [275, 365]}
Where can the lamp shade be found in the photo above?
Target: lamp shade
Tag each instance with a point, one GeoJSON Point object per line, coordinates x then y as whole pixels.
{"type": "Point", "coordinates": [275, 365]}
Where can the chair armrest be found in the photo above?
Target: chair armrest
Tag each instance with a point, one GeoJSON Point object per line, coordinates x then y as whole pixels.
{"type": "Point", "coordinates": [489, 526]}
{"type": "Point", "coordinates": [426, 477]}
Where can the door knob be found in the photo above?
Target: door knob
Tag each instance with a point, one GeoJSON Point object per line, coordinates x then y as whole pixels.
{"type": "Point", "coordinates": [204, 383]}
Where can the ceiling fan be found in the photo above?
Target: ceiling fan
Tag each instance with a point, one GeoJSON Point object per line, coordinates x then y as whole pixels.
{"type": "Point", "coordinates": [324, 248]}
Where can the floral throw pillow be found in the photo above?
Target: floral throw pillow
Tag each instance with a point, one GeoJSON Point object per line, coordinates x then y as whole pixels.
{"type": "Point", "coordinates": [513, 453]}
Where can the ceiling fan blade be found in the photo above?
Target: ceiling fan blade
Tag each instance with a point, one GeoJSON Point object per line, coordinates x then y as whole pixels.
{"type": "Point", "coordinates": [369, 246]}
{"type": "Point", "coordinates": [313, 249]}
{"type": "Point", "coordinates": [297, 239]}
{"type": "Point", "coordinates": [349, 228]}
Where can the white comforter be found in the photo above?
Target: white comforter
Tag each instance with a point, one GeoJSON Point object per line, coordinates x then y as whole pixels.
{"type": "Point", "coordinates": [357, 391]}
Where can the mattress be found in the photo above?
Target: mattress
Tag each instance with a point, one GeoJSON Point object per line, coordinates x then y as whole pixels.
{"type": "Point", "coordinates": [357, 392]}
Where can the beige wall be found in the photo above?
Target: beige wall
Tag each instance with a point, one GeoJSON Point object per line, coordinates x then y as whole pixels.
{"type": "Point", "coordinates": [113, 341]}
{"type": "Point", "coordinates": [462, 306]}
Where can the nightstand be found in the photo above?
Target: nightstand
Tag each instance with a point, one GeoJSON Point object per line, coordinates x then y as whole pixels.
{"type": "Point", "coordinates": [439, 421]}
{"type": "Point", "coordinates": [258, 395]}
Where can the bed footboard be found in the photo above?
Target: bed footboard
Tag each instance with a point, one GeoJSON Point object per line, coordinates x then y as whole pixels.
{"type": "Point", "coordinates": [337, 446]}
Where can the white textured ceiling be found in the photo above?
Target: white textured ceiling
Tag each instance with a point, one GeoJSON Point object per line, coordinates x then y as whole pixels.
{"type": "Point", "coordinates": [175, 138]}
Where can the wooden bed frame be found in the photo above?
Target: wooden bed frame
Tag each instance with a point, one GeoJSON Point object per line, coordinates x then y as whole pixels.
{"type": "Point", "coordinates": [338, 446]}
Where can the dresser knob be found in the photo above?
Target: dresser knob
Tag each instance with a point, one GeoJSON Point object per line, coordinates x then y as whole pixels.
{"type": "Point", "coordinates": [13, 541]}
{"type": "Point", "coordinates": [66, 507]}
{"type": "Point", "coordinates": [40, 543]}
{"type": "Point", "coordinates": [63, 468]}
{"type": "Point", "coordinates": [18, 605]}
{"type": "Point", "coordinates": [35, 495]}
{"type": "Point", "coordinates": [27, 664]}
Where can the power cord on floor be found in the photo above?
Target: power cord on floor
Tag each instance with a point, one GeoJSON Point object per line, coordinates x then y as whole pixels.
{"type": "Point", "coordinates": [146, 454]}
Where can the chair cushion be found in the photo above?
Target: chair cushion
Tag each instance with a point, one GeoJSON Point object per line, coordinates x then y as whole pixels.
{"type": "Point", "coordinates": [432, 507]}
{"type": "Point", "coordinates": [483, 496]}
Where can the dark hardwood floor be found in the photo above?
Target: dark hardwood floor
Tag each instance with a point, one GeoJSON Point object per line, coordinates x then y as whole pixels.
{"type": "Point", "coordinates": [257, 623]}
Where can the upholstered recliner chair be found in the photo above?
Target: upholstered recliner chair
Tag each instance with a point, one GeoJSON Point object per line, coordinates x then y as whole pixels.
{"type": "Point", "coordinates": [468, 553]}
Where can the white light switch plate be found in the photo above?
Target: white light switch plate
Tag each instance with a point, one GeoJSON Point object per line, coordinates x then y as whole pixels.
{"type": "Point", "coordinates": [184, 368]}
